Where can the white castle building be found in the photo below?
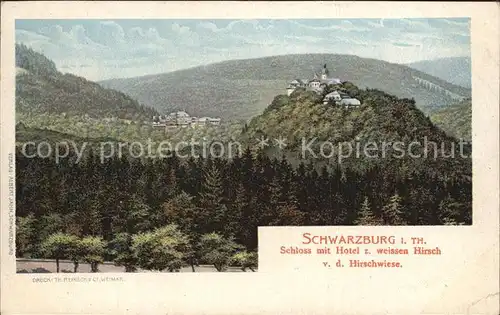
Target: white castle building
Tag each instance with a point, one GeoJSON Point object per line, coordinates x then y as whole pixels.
{"type": "Point", "coordinates": [318, 84]}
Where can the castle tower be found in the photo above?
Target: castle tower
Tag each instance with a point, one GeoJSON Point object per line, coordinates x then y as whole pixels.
{"type": "Point", "coordinates": [324, 73]}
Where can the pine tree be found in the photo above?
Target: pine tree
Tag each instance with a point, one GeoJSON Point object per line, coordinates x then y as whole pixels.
{"type": "Point", "coordinates": [276, 196]}
{"type": "Point", "coordinates": [298, 187]}
{"type": "Point", "coordinates": [137, 215]}
{"type": "Point", "coordinates": [325, 199]}
{"type": "Point", "coordinates": [172, 183]}
{"type": "Point", "coordinates": [211, 191]}
{"type": "Point", "coordinates": [92, 219]}
{"type": "Point", "coordinates": [450, 211]}
{"type": "Point", "coordinates": [235, 212]}
{"type": "Point", "coordinates": [180, 211]}
{"type": "Point", "coordinates": [366, 216]}
{"type": "Point", "coordinates": [211, 198]}
{"type": "Point", "coordinates": [392, 212]}
{"type": "Point", "coordinates": [288, 215]}
{"type": "Point", "coordinates": [191, 183]}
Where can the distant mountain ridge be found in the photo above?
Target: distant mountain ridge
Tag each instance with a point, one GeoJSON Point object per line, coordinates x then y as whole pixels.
{"type": "Point", "coordinates": [241, 89]}
{"type": "Point", "coordinates": [456, 70]}
{"type": "Point", "coordinates": [41, 88]}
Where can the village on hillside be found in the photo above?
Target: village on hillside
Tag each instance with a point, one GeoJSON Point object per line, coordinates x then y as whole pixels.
{"type": "Point", "coordinates": [181, 119]}
{"type": "Point", "coordinates": [318, 83]}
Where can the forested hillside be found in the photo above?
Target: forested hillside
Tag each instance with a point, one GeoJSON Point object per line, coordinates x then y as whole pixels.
{"type": "Point", "coordinates": [40, 88]}
{"type": "Point", "coordinates": [240, 89]}
{"type": "Point", "coordinates": [381, 118]}
{"type": "Point", "coordinates": [456, 70]}
{"type": "Point", "coordinates": [207, 209]}
{"type": "Point", "coordinates": [35, 136]}
{"type": "Point", "coordinates": [456, 119]}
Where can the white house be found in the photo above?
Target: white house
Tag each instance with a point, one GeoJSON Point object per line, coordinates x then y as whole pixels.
{"type": "Point", "coordinates": [314, 83]}
{"type": "Point", "coordinates": [298, 83]}
{"type": "Point", "coordinates": [335, 96]}
{"type": "Point", "coordinates": [332, 96]}
{"type": "Point", "coordinates": [209, 121]}
{"type": "Point", "coordinates": [214, 121]}
{"type": "Point", "coordinates": [290, 89]}
{"type": "Point", "coordinates": [295, 84]}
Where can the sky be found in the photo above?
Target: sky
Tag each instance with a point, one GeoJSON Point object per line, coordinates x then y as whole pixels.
{"type": "Point", "coordinates": [104, 49]}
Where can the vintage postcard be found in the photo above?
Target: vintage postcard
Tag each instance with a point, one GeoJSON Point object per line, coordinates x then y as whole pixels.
{"type": "Point", "coordinates": [250, 158]}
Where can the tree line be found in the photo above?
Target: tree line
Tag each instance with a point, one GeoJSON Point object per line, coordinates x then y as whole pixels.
{"type": "Point", "coordinates": [162, 214]}
{"type": "Point", "coordinates": [166, 248]}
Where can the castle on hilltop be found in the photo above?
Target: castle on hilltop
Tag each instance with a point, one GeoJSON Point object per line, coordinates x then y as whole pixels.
{"type": "Point", "coordinates": [318, 84]}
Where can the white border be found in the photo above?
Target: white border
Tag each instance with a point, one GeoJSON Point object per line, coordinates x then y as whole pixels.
{"type": "Point", "coordinates": [471, 289]}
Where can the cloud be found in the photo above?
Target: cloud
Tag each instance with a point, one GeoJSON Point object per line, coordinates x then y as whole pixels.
{"type": "Point", "coordinates": [179, 29]}
{"type": "Point", "coordinates": [210, 26]}
{"type": "Point", "coordinates": [415, 23]}
{"type": "Point", "coordinates": [339, 25]}
{"type": "Point", "coordinates": [138, 34]}
{"type": "Point", "coordinates": [103, 49]}
{"type": "Point", "coordinates": [185, 36]}
{"type": "Point", "coordinates": [56, 33]}
{"type": "Point", "coordinates": [400, 44]}
{"type": "Point", "coordinates": [110, 33]}
{"type": "Point", "coordinates": [463, 23]}
{"type": "Point", "coordinates": [29, 38]}
{"type": "Point", "coordinates": [375, 24]}
{"type": "Point", "coordinates": [238, 26]}
{"type": "Point", "coordinates": [307, 39]}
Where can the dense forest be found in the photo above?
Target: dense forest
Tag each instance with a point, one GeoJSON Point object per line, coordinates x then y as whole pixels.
{"type": "Point", "coordinates": [230, 198]}
{"type": "Point", "coordinates": [456, 119]}
{"type": "Point", "coordinates": [166, 213]}
{"type": "Point", "coordinates": [381, 118]}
